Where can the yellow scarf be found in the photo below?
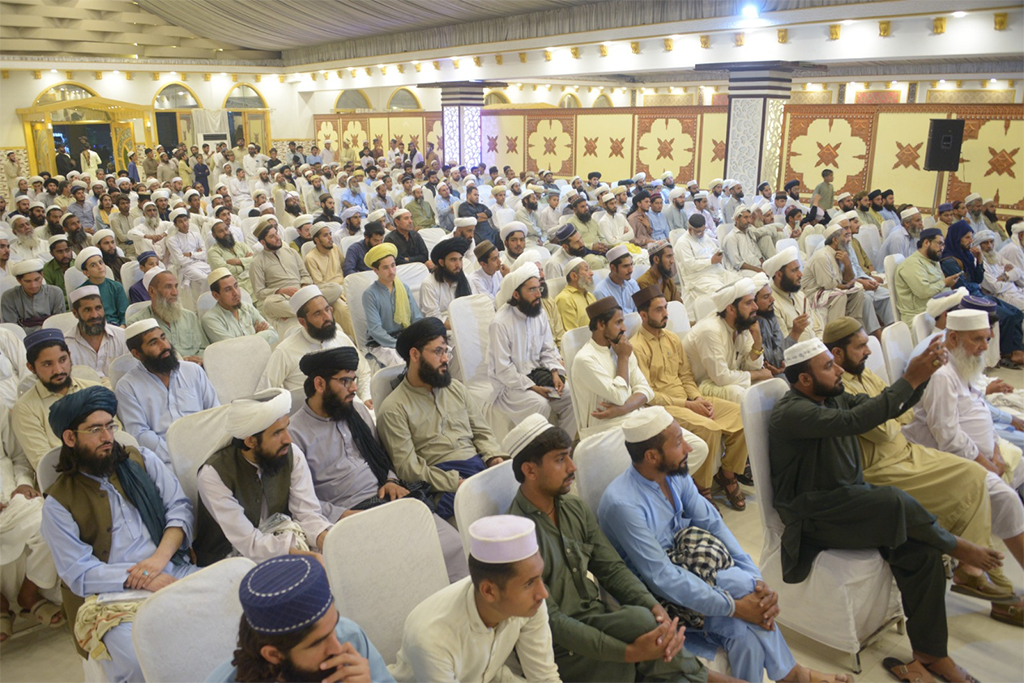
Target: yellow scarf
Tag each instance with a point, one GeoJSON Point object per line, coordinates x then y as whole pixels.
{"type": "Point", "coordinates": [403, 311]}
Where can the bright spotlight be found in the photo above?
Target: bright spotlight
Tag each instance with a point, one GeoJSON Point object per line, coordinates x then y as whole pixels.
{"type": "Point", "coordinates": [750, 11]}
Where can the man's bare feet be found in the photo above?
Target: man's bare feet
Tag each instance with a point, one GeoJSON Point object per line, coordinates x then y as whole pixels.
{"type": "Point", "coordinates": [985, 559]}
{"type": "Point", "coordinates": [803, 674]}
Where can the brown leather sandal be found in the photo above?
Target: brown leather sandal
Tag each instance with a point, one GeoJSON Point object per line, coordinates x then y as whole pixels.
{"type": "Point", "coordinates": [732, 491]}
{"type": "Point", "coordinates": [914, 672]}
{"type": "Point", "coordinates": [707, 495]}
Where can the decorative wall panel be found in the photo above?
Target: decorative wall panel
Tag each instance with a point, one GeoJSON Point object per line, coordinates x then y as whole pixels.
{"type": "Point", "coordinates": [970, 96]}
{"type": "Point", "coordinates": [877, 97]}
{"type": "Point", "coordinates": [549, 142]}
{"type": "Point", "coordinates": [746, 122]}
{"type": "Point", "coordinates": [605, 144]}
{"type": "Point", "coordinates": [666, 140]}
{"type": "Point", "coordinates": [836, 137]}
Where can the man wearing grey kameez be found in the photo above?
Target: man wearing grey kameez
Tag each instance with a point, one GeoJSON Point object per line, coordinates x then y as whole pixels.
{"type": "Point", "coordinates": [232, 316]}
{"type": "Point", "coordinates": [32, 301]}
{"type": "Point", "coordinates": [349, 466]}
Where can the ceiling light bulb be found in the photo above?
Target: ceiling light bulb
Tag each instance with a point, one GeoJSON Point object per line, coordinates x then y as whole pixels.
{"type": "Point", "coordinates": [750, 11]}
{"type": "Point", "coordinates": [991, 80]}
{"type": "Point", "coordinates": [959, 15]}
{"type": "Point", "coordinates": [53, 71]}
{"type": "Point", "coordinates": [942, 80]}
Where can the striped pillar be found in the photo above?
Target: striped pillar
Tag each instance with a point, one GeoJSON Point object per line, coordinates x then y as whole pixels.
{"type": "Point", "coordinates": [757, 95]}
{"type": "Point", "coordinates": [460, 122]}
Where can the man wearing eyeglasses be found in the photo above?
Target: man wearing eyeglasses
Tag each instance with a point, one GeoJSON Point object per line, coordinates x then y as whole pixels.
{"type": "Point", "coordinates": [115, 519]}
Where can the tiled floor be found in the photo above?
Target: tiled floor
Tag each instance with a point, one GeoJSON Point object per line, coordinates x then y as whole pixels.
{"type": "Point", "coordinates": [991, 651]}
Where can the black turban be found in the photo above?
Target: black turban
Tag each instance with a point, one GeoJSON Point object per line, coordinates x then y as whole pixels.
{"type": "Point", "coordinates": [421, 331]}
{"type": "Point", "coordinates": [330, 361]}
{"type": "Point", "coordinates": [445, 247]}
{"type": "Point", "coordinates": [69, 409]}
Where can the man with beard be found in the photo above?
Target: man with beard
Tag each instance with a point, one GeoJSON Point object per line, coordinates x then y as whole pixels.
{"type": "Point", "coordinates": [317, 330]}
{"type": "Point", "coordinates": [353, 196]}
{"type": "Point", "coordinates": [675, 213]}
{"type": "Point", "coordinates": [115, 519]}
{"type": "Point", "coordinates": [591, 642]}
{"type": "Point", "coordinates": [37, 214]}
{"type": "Point", "coordinates": [862, 205]}
{"type": "Point", "coordinates": [63, 258]}
{"type": "Point", "coordinates": [701, 263]}
{"type": "Point", "coordinates": [276, 274]}
{"type": "Point", "coordinates": [121, 222]}
{"type": "Point", "coordinates": [78, 238]}
{"type": "Point", "coordinates": [991, 219]}
{"type": "Point", "coordinates": [720, 593]}
{"type": "Point", "coordinates": [430, 424]}
{"type": "Point", "coordinates": [735, 199]}
{"type": "Point", "coordinates": [821, 497]}
{"type": "Point", "coordinates": [525, 369]}
{"type": "Point", "coordinates": [380, 199]}
{"type": "Point", "coordinates": [472, 208]}
{"type": "Point", "coordinates": [290, 202]}
{"type": "Point", "coordinates": [573, 300]}
{"type": "Point", "coordinates": [180, 324]}
{"type": "Point", "coordinates": [928, 474]}
{"type": "Point", "coordinates": [662, 272]}
{"type": "Point", "coordinates": [795, 318]}
{"type": "Point", "coordinates": [48, 358]}
{"type": "Point", "coordinates": [488, 277]}
{"type": "Point", "coordinates": [160, 389]}
{"type": "Point", "coordinates": [1013, 251]}
{"type": "Point", "coordinates": [975, 209]}
{"type": "Point", "coordinates": [746, 246]}
{"type": "Point", "coordinates": [775, 342]}
{"type": "Point", "coordinates": [448, 281]}
{"type": "Point", "coordinates": [151, 232]}
{"type": "Point", "coordinates": [919, 277]}
{"type": "Point", "coordinates": [51, 225]}
{"type": "Point", "coordinates": [352, 220]}
{"type": "Point", "coordinates": [235, 507]}
{"type": "Point", "coordinates": [326, 214]}
{"type": "Point", "coordinates": [105, 241]}
{"type": "Point", "coordinates": [93, 341]}
{"type": "Point", "coordinates": [888, 210]}
{"type": "Point", "coordinates": [589, 230]}
{"type": "Point", "coordinates": [613, 228]}
{"type": "Point", "coordinates": [726, 349]}
{"type": "Point", "coordinates": [292, 631]}
{"type": "Point", "coordinates": [33, 301]}
{"type": "Point", "coordinates": [830, 285]}
{"type": "Point", "coordinates": [27, 245]}
{"type": "Point", "coordinates": [901, 239]}
{"type": "Point", "coordinates": [227, 253]}
{"type": "Point", "coordinates": [351, 470]}
{"type": "Point", "coordinates": [373, 234]}
{"type": "Point", "coordinates": [513, 237]}
{"type": "Point", "coordinates": [324, 261]}
{"type": "Point", "coordinates": [422, 212]}
{"type": "Point", "coordinates": [232, 316]}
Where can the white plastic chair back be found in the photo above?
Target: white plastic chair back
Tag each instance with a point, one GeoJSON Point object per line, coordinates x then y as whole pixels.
{"type": "Point", "coordinates": [928, 222]}
{"type": "Point", "coordinates": [923, 325]}
{"type": "Point", "coordinates": [73, 279]}
{"type": "Point", "coordinates": [433, 236]}
{"type": "Point", "coordinates": [306, 248]}
{"type": "Point", "coordinates": [876, 361]}
{"type": "Point", "coordinates": [65, 322]}
{"type": "Point", "coordinates": [639, 270]}
{"type": "Point", "coordinates": [8, 282]}
{"type": "Point", "coordinates": [813, 243]}
{"type": "Point", "coordinates": [871, 240]}
{"type": "Point", "coordinates": [186, 630]}
{"type": "Point", "coordinates": [471, 318]}
{"type": "Point", "coordinates": [503, 216]}
{"type": "Point", "coordinates": [190, 441]}
{"type": "Point", "coordinates": [485, 191]}
{"type": "Point", "coordinates": [488, 493]}
{"type": "Point", "coordinates": [85, 372]}
{"type": "Point", "coordinates": [786, 243]}
{"type": "Point", "coordinates": [119, 367]}
{"type": "Point", "coordinates": [130, 274]}
{"type": "Point", "coordinates": [600, 274]}
{"type": "Point", "coordinates": [384, 382]}
{"type": "Point", "coordinates": [555, 287]}
{"type": "Point", "coordinates": [850, 595]}
{"type": "Point", "coordinates": [235, 366]}
{"type": "Point", "coordinates": [599, 460]}
{"type": "Point", "coordinates": [674, 235]}
{"type": "Point", "coordinates": [892, 262]}
{"type": "Point", "coordinates": [348, 241]}
{"type": "Point", "coordinates": [703, 307]}
{"type": "Point", "coordinates": [399, 542]}
{"type": "Point", "coordinates": [355, 285]}
{"type": "Point", "coordinates": [887, 227]}
{"type": "Point", "coordinates": [15, 329]}
{"type": "Point", "coordinates": [290, 235]}
{"type": "Point", "coordinates": [632, 322]}
{"type": "Point", "coordinates": [205, 303]}
{"type": "Point", "coordinates": [413, 275]}
{"type": "Point", "coordinates": [678, 321]}
{"type": "Point", "coordinates": [897, 345]}
{"type": "Point", "coordinates": [406, 201]}
{"type": "Point", "coordinates": [572, 341]}
{"type": "Point", "coordinates": [134, 308]}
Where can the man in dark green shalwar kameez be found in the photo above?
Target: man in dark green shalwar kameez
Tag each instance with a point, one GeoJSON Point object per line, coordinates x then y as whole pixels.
{"type": "Point", "coordinates": [821, 496]}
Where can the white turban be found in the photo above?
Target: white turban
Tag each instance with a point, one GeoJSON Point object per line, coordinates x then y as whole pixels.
{"type": "Point", "coordinates": [511, 227]}
{"type": "Point", "coordinates": [967, 320]}
{"type": "Point", "coordinates": [514, 280]}
{"type": "Point", "coordinates": [939, 304]}
{"type": "Point", "coordinates": [301, 297]}
{"type": "Point", "coordinates": [465, 222]}
{"type": "Point", "coordinates": [726, 295]}
{"type": "Point", "coordinates": [250, 416]}
{"type": "Point", "coordinates": [775, 263]}
{"type": "Point", "coordinates": [139, 327]}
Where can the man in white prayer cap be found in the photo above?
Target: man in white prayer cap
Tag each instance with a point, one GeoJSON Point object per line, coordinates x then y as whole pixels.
{"type": "Point", "coordinates": [160, 389]}
{"type": "Point", "coordinates": [1002, 279]}
{"type": "Point", "coordinates": [592, 642]}
{"type": "Point", "coordinates": [701, 263]}
{"type": "Point", "coordinates": [188, 253]}
{"type": "Point", "coordinates": [830, 283]}
{"type": "Point", "coordinates": [726, 349]}
{"type": "Point", "coordinates": [151, 232]}
{"type": "Point", "coordinates": [795, 316]}
{"type": "Point", "coordinates": [32, 301]}
{"type": "Point", "coordinates": [1013, 250]}
{"type": "Point", "coordinates": [467, 631]}
{"type": "Point", "coordinates": [232, 316]}
{"type": "Point", "coordinates": [702, 569]}
{"type": "Point", "coordinates": [181, 325]}
{"type": "Point", "coordinates": [265, 516]}
{"type": "Point", "coordinates": [525, 369]}
{"type": "Point", "coordinates": [93, 341]}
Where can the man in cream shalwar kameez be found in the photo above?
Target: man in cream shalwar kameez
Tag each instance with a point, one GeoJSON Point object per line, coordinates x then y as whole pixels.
{"type": "Point", "coordinates": [701, 263]}
{"type": "Point", "coordinates": [830, 285]}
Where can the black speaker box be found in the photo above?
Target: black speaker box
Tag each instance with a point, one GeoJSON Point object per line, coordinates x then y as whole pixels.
{"type": "Point", "coordinates": [945, 136]}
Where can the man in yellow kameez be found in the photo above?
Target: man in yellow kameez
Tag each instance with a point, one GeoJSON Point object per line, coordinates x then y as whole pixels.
{"type": "Point", "coordinates": [659, 353]}
{"type": "Point", "coordinates": [951, 488]}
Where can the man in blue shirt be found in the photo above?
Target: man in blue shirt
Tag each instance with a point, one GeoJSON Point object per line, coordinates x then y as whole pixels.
{"type": "Point", "coordinates": [291, 629]}
{"type": "Point", "coordinates": [619, 284]}
{"type": "Point", "coordinates": [678, 544]}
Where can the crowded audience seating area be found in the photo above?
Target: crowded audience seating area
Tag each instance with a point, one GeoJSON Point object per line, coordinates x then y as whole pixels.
{"type": "Point", "coordinates": [273, 411]}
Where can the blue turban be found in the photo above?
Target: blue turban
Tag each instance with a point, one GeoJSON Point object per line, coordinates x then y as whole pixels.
{"type": "Point", "coordinates": [69, 409]}
{"type": "Point", "coordinates": [285, 594]}
{"type": "Point", "coordinates": [41, 336]}
{"type": "Point", "coordinates": [141, 258]}
{"type": "Point", "coordinates": [565, 232]}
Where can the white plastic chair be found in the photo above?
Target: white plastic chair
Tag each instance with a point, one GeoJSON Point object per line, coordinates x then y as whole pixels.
{"type": "Point", "coordinates": [413, 275]}
{"type": "Point", "coordinates": [119, 367]}
{"type": "Point", "coordinates": [887, 227]}
{"type": "Point", "coordinates": [348, 241]}
{"type": "Point", "coordinates": [355, 285]}
{"type": "Point", "coordinates": [399, 542]}
{"type": "Point", "coordinates": [8, 282]}
{"type": "Point", "coordinates": [813, 243]}
{"type": "Point", "coordinates": [599, 460]}
{"type": "Point", "coordinates": [73, 279]}
{"type": "Point", "coordinates": [897, 345]}
{"type": "Point", "coordinates": [433, 236]}
{"type": "Point", "coordinates": [572, 341]}
{"type": "Point", "coordinates": [850, 596]}
{"type": "Point", "coordinates": [488, 493]}
{"type": "Point", "coordinates": [134, 308]}
{"type": "Point", "coordinates": [471, 320]}
{"type": "Point", "coordinates": [639, 269]}
{"type": "Point", "coordinates": [555, 286]}
{"type": "Point", "coordinates": [130, 274]}
{"type": "Point", "coordinates": [892, 262]}
{"type": "Point", "coordinates": [190, 441]}
{"type": "Point", "coordinates": [703, 307]}
{"type": "Point", "coordinates": [15, 329]}
{"type": "Point", "coordinates": [922, 327]}
{"type": "Point", "coordinates": [503, 216]}
{"type": "Point", "coordinates": [786, 243]}
{"type": "Point", "coordinates": [632, 322]}
{"type": "Point", "coordinates": [600, 274]}
{"type": "Point", "coordinates": [870, 239]}
{"type": "Point", "coordinates": [235, 366]}
{"type": "Point", "coordinates": [290, 235]}
{"type": "Point", "coordinates": [678, 321]}
{"type": "Point", "coordinates": [384, 382]}
{"type": "Point", "coordinates": [306, 248]}
{"type": "Point", "coordinates": [876, 361]}
{"type": "Point", "coordinates": [188, 629]}
{"type": "Point", "coordinates": [65, 322]}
